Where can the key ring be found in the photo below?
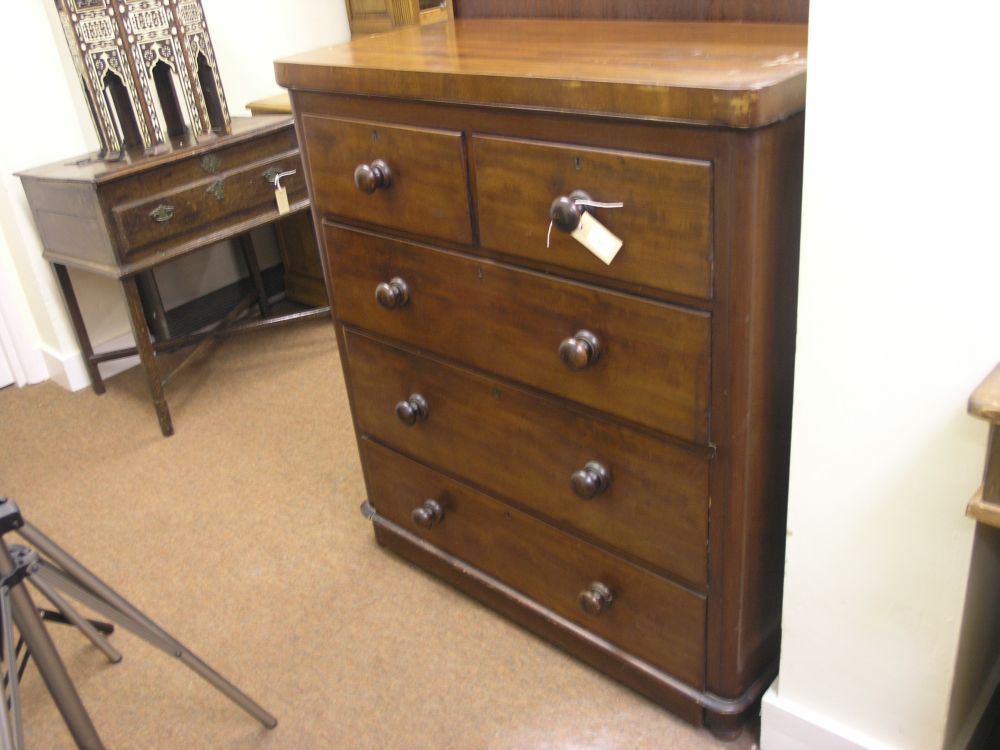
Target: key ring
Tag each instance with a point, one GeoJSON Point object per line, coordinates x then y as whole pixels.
{"type": "Point", "coordinates": [277, 178]}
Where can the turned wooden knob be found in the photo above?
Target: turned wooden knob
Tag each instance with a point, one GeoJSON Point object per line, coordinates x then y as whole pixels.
{"type": "Point", "coordinates": [370, 177]}
{"type": "Point", "coordinates": [591, 480]}
{"type": "Point", "coordinates": [580, 351]}
{"type": "Point", "coordinates": [565, 213]}
{"type": "Point", "coordinates": [595, 599]}
{"type": "Point", "coordinates": [428, 514]}
{"type": "Point", "coordinates": [392, 294]}
{"type": "Point", "coordinates": [412, 410]}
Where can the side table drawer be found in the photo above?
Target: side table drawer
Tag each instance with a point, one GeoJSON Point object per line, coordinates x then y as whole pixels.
{"type": "Point", "coordinates": [665, 224]}
{"type": "Point", "coordinates": [651, 500]}
{"type": "Point", "coordinates": [648, 616]}
{"type": "Point", "coordinates": [222, 199]}
{"type": "Point", "coordinates": [648, 362]}
{"type": "Point", "coordinates": [425, 191]}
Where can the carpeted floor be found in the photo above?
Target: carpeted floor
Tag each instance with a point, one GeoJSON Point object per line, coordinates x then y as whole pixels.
{"type": "Point", "coordinates": [241, 536]}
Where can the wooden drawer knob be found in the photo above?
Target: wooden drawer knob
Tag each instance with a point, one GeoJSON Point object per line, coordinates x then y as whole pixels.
{"type": "Point", "coordinates": [370, 177]}
{"type": "Point", "coordinates": [412, 410]}
{"type": "Point", "coordinates": [591, 480]}
{"type": "Point", "coordinates": [392, 294]}
{"type": "Point", "coordinates": [595, 599]}
{"type": "Point", "coordinates": [565, 213]}
{"type": "Point", "coordinates": [428, 514]}
{"type": "Point", "coordinates": [580, 351]}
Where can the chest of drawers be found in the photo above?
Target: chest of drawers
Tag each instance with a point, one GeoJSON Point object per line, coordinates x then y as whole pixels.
{"type": "Point", "coordinates": [599, 451]}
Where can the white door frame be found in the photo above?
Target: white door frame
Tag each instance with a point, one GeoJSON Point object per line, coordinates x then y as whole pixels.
{"type": "Point", "coordinates": [10, 366]}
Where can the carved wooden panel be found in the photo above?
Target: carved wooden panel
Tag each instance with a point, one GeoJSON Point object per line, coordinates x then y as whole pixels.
{"type": "Point", "coordinates": [148, 69]}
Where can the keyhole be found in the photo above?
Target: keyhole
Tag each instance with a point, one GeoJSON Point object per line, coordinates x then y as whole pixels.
{"type": "Point", "coordinates": [479, 272]}
{"type": "Point", "coordinates": [374, 135]}
{"type": "Point", "coordinates": [578, 163]}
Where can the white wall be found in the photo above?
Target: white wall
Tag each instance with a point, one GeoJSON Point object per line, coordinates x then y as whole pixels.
{"type": "Point", "coordinates": [45, 120]}
{"type": "Point", "coordinates": [898, 322]}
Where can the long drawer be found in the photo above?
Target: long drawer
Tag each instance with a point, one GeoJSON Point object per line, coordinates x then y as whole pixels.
{"type": "Point", "coordinates": [652, 504]}
{"type": "Point", "coordinates": [665, 223]}
{"type": "Point", "coordinates": [209, 204]}
{"type": "Point", "coordinates": [648, 362]}
{"type": "Point", "coordinates": [646, 615]}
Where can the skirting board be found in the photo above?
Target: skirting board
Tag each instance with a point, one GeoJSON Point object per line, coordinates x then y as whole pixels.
{"type": "Point", "coordinates": [785, 725]}
{"type": "Point", "coordinates": [70, 371]}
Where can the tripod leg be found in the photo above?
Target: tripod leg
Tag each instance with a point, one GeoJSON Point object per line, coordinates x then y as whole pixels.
{"type": "Point", "coordinates": [10, 740]}
{"type": "Point", "coordinates": [79, 582]}
{"type": "Point", "coordinates": [53, 672]}
{"type": "Point", "coordinates": [75, 618]}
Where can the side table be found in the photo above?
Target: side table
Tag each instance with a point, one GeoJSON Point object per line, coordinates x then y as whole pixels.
{"type": "Point", "coordinates": [124, 218]}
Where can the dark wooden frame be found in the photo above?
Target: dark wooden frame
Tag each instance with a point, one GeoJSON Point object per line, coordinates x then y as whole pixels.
{"type": "Point", "coordinates": [770, 11]}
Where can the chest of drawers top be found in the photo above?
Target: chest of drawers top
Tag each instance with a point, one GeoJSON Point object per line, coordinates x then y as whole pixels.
{"type": "Point", "coordinates": [730, 74]}
{"type": "Point", "coordinates": [597, 450]}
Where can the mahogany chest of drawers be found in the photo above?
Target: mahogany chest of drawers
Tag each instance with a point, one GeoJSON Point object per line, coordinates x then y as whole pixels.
{"type": "Point", "coordinates": [599, 451]}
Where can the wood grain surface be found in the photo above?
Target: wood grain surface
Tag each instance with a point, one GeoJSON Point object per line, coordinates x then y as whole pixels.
{"type": "Point", "coordinates": [653, 370]}
{"type": "Point", "coordinates": [428, 193]}
{"type": "Point", "coordinates": [665, 222]}
{"type": "Point", "coordinates": [656, 619]}
{"type": "Point", "coordinates": [504, 438]}
{"type": "Point", "coordinates": [740, 75]}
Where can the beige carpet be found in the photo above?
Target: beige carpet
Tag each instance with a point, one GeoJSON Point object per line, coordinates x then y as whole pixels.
{"type": "Point", "coordinates": [241, 536]}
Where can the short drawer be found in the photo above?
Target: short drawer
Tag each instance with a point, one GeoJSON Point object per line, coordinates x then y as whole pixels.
{"type": "Point", "coordinates": [665, 225]}
{"type": "Point", "coordinates": [649, 362]}
{"type": "Point", "coordinates": [424, 192]}
{"type": "Point", "coordinates": [650, 499]}
{"type": "Point", "coordinates": [647, 616]}
{"type": "Point", "coordinates": [209, 204]}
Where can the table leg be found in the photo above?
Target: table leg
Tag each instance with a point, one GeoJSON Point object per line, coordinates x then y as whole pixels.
{"type": "Point", "coordinates": [96, 382]}
{"type": "Point", "coordinates": [146, 354]}
{"type": "Point", "coordinates": [250, 258]}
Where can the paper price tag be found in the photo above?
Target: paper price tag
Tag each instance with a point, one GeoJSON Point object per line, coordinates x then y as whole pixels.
{"type": "Point", "coordinates": [597, 238]}
{"type": "Point", "coordinates": [281, 198]}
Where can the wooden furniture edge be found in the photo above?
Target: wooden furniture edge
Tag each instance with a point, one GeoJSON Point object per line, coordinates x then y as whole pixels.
{"type": "Point", "coordinates": [984, 403]}
{"type": "Point", "coordinates": [279, 104]}
{"type": "Point", "coordinates": [985, 400]}
{"type": "Point", "coordinates": [267, 124]}
{"type": "Point", "coordinates": [713, 100]}
{"type": "Point", "coordinates": [982, 511]}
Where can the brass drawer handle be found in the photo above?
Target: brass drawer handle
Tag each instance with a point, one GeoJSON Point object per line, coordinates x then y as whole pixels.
{"type": "Point", "coordinates": [591, 480]}
{"type": "Point", "coordinates": [580, 351]}
{"type": "Point", "coordinates": [412, 410]}
{"type": "Point", "coordinates": [565, 212]}
{"type": "Point", "coordinates": [429, 514]}
{"type": "Point", "coordinates": [595, 599]}
{"type": "Point", "coordinates": [392, 294]}
{"type": "Point", "coordinates": [370, 177]}
{"type": "Point", "coordinates": [162, 213]}
{"type": "Point", "coordinates": [217, 189]}
{"type": "Point", "coordinates": [211, 163]}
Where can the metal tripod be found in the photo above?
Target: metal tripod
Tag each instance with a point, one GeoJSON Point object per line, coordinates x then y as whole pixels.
{"type": "Point", "coordinates": [59, 572]}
